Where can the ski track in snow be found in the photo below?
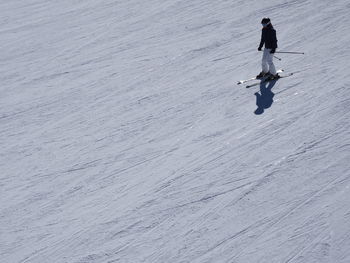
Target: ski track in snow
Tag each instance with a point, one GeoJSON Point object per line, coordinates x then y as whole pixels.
{"type": "Point", "coordinates": [124, 137]}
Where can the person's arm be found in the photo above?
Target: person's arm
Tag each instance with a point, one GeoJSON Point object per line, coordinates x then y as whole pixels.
{"type": "Point", "coordinates": [261, 41]}
{"type": "Point", "coordinates": [273, 41]}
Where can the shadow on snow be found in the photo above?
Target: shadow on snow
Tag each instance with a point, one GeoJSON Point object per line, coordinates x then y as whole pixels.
{"type": "Point", "coordinates": [264, 99]}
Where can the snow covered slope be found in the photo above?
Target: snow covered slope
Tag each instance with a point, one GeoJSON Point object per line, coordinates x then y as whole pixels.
{"type": "Point", "coordinates": [124, 137]}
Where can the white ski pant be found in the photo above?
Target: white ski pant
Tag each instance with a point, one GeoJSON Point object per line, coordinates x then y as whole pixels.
{"type": "Point", "coordinates": [267, 62]}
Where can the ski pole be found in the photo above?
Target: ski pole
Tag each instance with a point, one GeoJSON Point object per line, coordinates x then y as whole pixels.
{"type": "Point", "coordinates": [288, 52]}
{"type": "Point", "coordinates": [275, 56]}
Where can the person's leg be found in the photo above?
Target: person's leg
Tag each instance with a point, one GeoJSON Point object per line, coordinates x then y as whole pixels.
{"type": "Point", "coordinates": [264, 61]}
{"type": "Point", "coordinates": [269, 60]}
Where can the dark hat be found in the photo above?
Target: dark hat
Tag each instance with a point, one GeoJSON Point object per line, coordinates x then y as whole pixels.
{"type": "Point", "coordinates": [265, 20]}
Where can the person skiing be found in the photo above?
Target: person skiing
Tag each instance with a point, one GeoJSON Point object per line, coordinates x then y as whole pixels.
{"type": "Point", "coordinates": [269, 39]}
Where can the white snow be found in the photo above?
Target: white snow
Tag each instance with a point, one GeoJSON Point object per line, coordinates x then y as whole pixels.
{"type": "Point", "coordinates": [124, 137]}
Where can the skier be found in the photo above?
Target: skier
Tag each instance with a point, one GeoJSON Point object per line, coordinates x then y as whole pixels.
{"type": "Point", "coordinates": [268, 37]}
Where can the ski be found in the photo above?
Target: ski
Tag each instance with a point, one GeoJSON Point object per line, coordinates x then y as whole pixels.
{"type": "Point", "coordinates": [254, 78]}
{"type": "Point", "coordinates": [267, 80]}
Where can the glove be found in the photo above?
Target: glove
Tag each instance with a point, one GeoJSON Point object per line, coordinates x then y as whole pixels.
{"type": "Point", "coordinates": [259, 48]}
{"type": "Point", "coordinates": [273, 51]}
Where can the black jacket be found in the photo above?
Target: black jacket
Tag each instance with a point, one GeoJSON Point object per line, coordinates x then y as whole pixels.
{"type": "Point", "coordinates": [268, 37]}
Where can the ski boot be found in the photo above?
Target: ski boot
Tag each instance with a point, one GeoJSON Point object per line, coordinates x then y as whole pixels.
{"type": "Point", "coordinates": [262, 74]}
{"type": "Point", "coordinates": [273, 77]}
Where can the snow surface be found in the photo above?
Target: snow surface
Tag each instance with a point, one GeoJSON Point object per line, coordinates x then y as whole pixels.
{"type": "Point", "coordinates": [124, 137]}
